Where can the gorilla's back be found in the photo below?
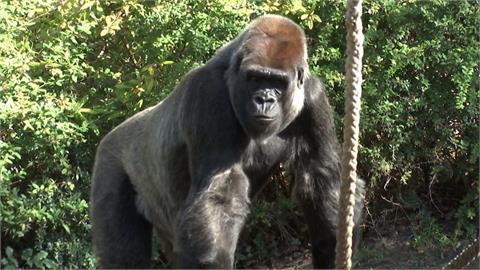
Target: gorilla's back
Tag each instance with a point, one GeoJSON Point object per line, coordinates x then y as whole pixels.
{"type": "Point", "coordinates": [151, 161]}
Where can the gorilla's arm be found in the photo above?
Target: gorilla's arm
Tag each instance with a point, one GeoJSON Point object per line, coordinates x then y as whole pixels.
{"type": "Point", "coordinates": [217, 203]}
{"type": "Point", "coordinates": [317, 173]}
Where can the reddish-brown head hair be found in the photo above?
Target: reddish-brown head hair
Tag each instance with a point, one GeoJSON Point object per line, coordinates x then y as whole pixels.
{"type": "Point", "coordinates": [276, 42]}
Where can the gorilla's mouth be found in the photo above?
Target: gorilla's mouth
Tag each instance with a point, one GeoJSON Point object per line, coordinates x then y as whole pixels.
{"type": "Point", "coordinates": [263, 118]}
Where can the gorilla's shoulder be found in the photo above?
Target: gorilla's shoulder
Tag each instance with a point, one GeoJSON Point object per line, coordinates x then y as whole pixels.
{"type": "Point", "coordinates": [128, 130]}
{"type": "Point", "coordinates": [313, 82]}
{"type": "Point", "coordinates": [208, 77]}
{"type": "Point", "coordinates": [314, 89]}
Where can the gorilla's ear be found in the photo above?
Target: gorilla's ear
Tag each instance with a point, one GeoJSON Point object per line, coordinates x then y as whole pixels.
{"type": "Point", "coordinates": [237, 61]}
{"type": "Point", "coordinates": [300, 76]}
{"type": "Point", "coordinates": [233, 69]}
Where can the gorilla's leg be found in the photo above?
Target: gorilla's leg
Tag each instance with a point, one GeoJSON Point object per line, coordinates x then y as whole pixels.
{"type": "Point", "coordinates": [121, 236]}
{"type": "Point", "coordinates": [211, 222]}
{"type": "Point", "coordinates": [321, 221]}
{"type": "Point", "coordinates": [318, 193]}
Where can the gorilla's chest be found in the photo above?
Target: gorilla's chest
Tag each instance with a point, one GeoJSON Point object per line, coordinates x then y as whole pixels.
{"type": "Point", "coordinates": [261, 158]}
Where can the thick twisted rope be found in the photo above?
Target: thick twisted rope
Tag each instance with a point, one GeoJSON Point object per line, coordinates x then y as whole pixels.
{"type": "Point", "coordinates": [353, 91]}
{"type": "Point", "coordinates": [466, 257]}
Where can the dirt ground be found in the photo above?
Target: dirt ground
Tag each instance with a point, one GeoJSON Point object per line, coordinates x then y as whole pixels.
{"type": "Point", "coordinates": [392, 251]}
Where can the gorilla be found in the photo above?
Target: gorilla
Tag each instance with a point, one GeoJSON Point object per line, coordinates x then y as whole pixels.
{"type": "Point", "coordinates": [189, 165]}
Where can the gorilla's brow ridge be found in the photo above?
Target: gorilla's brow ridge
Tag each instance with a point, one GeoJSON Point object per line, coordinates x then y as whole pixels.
{"type": "Point", "coordinates": [260, 71]}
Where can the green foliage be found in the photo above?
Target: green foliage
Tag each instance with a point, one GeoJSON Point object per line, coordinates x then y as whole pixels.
{"type": "Point", "coordinates": [428, 233]}
{"type": "Point", "coordinates": [420, 90]}
{"type": "Point", "coordinates": [154, 44]}
{"type": "Point", "coordinates": [43, 177]}
{"type": "Point", "coordinates": [467, 214]}
{"type": "Point", "coordinates": [71, 70]}
{"type": "Point", "coordinates": [420, 101]}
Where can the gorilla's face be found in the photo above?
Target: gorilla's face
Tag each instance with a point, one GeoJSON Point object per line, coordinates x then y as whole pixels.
{"type": "Point", "coordinates": [266, 100]}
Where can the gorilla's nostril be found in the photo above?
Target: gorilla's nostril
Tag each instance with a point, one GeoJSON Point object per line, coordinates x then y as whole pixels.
{"type": "Point", "coordinates": [264, 99]}
{"type": "Point", "coordinates": [269, 100]}
{"type": "Point", "coordinates": [259, 100]}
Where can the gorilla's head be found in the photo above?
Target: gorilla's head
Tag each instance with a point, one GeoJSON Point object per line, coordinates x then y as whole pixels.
{"type": "Point", "coordinates": [266, 76]}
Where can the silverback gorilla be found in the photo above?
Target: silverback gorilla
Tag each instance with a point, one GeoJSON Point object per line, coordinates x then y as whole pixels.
{"type": "Point", "coordinates": [189, 165]}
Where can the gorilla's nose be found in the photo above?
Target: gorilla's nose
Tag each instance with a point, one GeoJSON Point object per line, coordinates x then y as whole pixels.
{"type": "Point", "coordinates": [263, 98]}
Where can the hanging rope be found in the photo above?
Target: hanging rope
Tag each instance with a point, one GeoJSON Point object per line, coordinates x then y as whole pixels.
{"type": "Point", "coordinates": [353, 91]}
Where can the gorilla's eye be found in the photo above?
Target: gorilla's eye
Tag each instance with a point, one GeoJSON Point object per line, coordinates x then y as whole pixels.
{"type": "Point", "coordinates": [253, 77]}
{"type": "Point", "coordinates": [279, 84]}
{"type": "Point", "coordinates": [273, 77]}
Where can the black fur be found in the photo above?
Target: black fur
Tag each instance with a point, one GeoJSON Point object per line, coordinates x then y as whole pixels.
{"type": "Point", "coordinates": [189, 165]}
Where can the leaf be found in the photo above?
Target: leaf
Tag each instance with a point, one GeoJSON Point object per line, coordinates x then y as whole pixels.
{"type": "Point", "coordinates": [87, 5]}
{"type": "Point", "coordinates": [49, 264]}
{"type": "Point", "coordinates": [9, 252]}
{"type": "Point", "coordinates": [85, 110]}
{"type": "Point", "coordinates": [310, 24]}
{"type": "Point", "coordinates": [38, 259]}
{"type": "Point", "coordinates": [139, 104]}
{"type": "Point", "coordinates": [108, 20]}
{"type": "Point", "coordinates": [67, 229]}
{"type": "Point", "coordinates": [126, 10]}
{"type": "Point", "coordinates": [41, 255]}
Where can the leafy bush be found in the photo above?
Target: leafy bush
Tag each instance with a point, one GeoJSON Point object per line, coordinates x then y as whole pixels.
{"type": "Point", "coordinates": [43, 171]}
{"type": "Point", "coordinates": [69, 72]}
{"type": "Point", "coordinates": [420, 128]}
